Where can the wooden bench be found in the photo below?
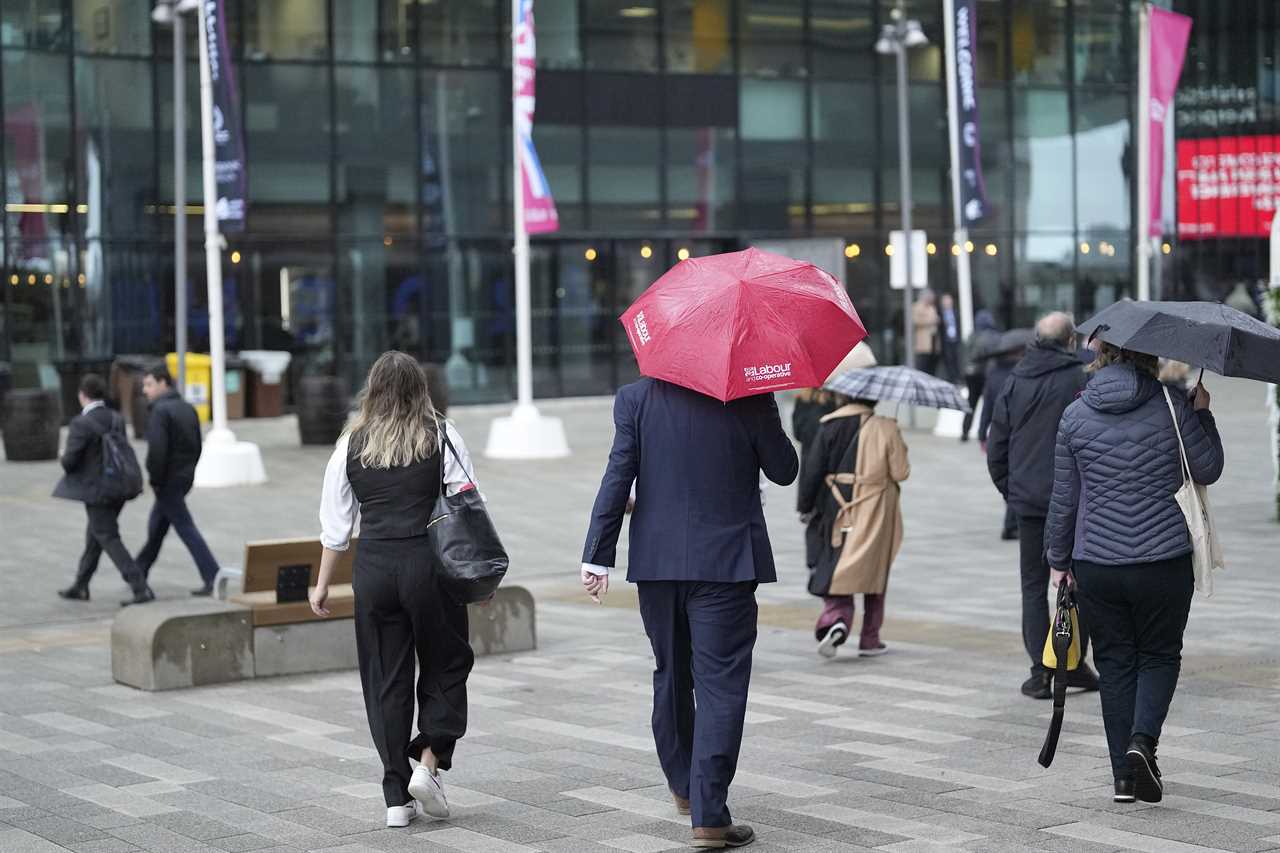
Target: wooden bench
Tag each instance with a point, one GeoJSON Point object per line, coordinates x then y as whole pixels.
{"type": "Point", "coordinates": [262, 564]}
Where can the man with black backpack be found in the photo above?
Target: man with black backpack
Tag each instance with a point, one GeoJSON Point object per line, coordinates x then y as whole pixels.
{"type": "Point", "coordinates": [102, 472]}
{"type": "Point", "coordinates": [173, 449]}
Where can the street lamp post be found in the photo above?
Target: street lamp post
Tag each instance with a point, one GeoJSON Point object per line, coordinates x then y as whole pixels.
{"type": "Point", "coordinates": [170, 12]}
{"type": "Point", "coordinates": [896, 39]}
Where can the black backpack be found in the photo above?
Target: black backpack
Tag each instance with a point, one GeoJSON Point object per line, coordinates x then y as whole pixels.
{"type": "Point", "coordinates": [121, 475]}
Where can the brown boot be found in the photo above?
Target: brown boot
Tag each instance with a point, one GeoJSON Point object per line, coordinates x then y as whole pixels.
{"type": "Point", "coordinates": [682, 803]}
{"type": "Point", "coordinates": [718, 837]}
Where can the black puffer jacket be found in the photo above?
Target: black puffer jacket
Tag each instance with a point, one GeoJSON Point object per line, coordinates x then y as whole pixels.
{"type": "Point", "coordinates": [173, 443]}
{"type": "Point", "coordinates": [1117, 469]}
{"type": "Point", "coordinates": [1024, 426]}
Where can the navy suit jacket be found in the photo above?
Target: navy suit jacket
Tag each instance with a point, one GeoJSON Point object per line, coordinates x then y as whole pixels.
{"type": "Point", "coordinates": [696, 463]}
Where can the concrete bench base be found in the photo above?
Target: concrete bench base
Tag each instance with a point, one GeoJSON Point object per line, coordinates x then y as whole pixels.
{"type": "Point", "coordinates": [181, 644]}
{"type": "Point", "coordinates": [173, 644]}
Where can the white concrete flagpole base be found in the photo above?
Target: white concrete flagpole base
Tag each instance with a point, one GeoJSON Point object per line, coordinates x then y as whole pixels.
{"type": "Point", "coordinates": [227, 462]}
{"type": "Point", "coordinates": [526, 434]}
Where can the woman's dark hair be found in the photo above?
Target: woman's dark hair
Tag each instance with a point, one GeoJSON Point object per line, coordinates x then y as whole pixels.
{"type": "Point", "coordinates": [93, 386]}
{"type": "Point", "coordinates": [160, 373]}
{"type": "Point", "coordinates": [1109, 354]}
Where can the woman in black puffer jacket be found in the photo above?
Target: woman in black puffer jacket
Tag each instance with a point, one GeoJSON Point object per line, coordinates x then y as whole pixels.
{"type": "Point", "coordinates": [1114, 521]}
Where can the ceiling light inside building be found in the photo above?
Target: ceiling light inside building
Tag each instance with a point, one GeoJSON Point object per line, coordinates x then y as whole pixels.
{"type": "Point", "coordinates": [932, 248]}
{"type": "Point", "coordinates": [852, 250]}
{"type": "Point", "coordinates": [638, 12]}
{"type": "Point", "coordinates": [683, 254]}
{"type": "Point", "coordinates": [646, 252]}
{"type": "Point", "coordinates": [991, 249]}
{"type": "Point", "coordinates": [1084, 248]}
{"type": "Point", "coordinates": [1166, 248]}
{"type": "Point", "coordinates": [590, 254]}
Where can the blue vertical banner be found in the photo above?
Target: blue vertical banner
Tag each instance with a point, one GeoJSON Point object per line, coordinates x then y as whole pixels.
{"type": "Point", "coordinates": [973, 193]}
{"type": "Point", "coordinates": [228, 136]}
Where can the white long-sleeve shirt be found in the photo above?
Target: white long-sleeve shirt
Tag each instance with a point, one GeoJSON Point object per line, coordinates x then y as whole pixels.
{"type": "Point", "coordinates": [339, 508]}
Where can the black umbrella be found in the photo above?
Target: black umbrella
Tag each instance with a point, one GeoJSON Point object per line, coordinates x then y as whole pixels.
{"type": "Point", "coordinates": [1205, 334]}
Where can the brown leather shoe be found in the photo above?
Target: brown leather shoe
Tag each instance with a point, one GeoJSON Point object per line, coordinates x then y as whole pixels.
{"type": "Point", "coordinates": [682, 803]}
{"type": "Point", "coordinates": [719, 837]}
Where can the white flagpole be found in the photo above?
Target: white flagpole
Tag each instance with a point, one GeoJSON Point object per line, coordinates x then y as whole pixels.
{"type": "Point", "coordinates": [526, 434]}
{"type": "Point", "coordinates": [964, 281]}
{"type": "Point", "coordinates": [223, 460]}
{"type": "Point", "coordinates": [1142, 134]}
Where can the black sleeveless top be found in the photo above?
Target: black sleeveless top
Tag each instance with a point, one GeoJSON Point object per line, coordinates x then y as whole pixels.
{"type": "Point", "coordinates": [395, 503]}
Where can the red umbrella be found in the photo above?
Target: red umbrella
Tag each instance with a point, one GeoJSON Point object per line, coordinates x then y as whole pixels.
{"type": "Point", "coordinates": [742, 323]}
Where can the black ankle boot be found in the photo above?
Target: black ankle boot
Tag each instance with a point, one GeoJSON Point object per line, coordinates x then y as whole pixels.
{"type": "Point", "coordinates": [1147, 783]}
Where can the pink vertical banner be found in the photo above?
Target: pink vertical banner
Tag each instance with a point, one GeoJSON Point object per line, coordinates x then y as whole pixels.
{"type": "Point", "coordinates": [1169, 33]}
{"type": "Point", "coordinates": [540, 214]}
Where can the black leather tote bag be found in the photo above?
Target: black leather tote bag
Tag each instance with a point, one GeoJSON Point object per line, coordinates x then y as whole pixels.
{"type": "Point", "coordinates": [469, 554]}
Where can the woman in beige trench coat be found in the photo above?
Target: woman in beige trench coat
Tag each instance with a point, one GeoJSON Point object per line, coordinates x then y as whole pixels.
{"type": "Point", "coordinates": [849, 482]}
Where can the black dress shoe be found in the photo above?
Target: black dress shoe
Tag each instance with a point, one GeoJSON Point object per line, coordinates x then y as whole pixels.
{"type": "Point", "coordinates": [1124, 791]}
{"type": "Point", "coordinates": [1039, 686]}
{"type": "Point", "coordinates": [141, 596]}
{"type": "Point", "coordinates": [206, 591]}
{"type": "Point", "coordinates": [736, 835]}
{"type": "Point", "coordinates": [1083, 677]}
{"type": "Point", "coordinates": [1009, 535]}
{"type": "Point", "coordinates": [75, 593]}
{"type": "Point", "coordinates": [1147, 784]}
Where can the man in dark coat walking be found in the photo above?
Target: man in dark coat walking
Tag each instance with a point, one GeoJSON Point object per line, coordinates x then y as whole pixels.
{"type": "Point", "coordinates": [1020, 456]}
{"type": "Point", "coordinates": [173, 449]}
{"type": "Point", "coordinates": [83, 482]}
{"type": "Point", "coordinates": [698, 550]}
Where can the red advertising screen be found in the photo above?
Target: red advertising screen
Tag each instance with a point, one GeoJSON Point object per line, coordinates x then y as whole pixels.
{"type": "Point", "coordinates": [1228, 186]}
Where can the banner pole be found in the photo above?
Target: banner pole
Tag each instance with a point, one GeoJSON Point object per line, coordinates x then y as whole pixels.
{"type": "Point", "coordinates": [524, 347]}
{"type": "Point", "coordinates": [212, 239]}
{"type": "Point", "coordinates": [960, 236]}
{"type": "Point", "coordinates": [1142, 135]}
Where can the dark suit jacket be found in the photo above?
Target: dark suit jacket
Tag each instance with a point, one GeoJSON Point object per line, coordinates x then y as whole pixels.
{"type": "Point", "coordinates": [696, 463]}
{"type": "Point", "coordinates": [173, 443]}
{"type": "Point", "coordinates": [82, 458]}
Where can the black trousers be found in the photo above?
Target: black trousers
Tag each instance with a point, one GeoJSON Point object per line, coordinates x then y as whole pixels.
{"type": "Point", "coordinates": [976, 385]}
{"type": "Point", "coordinates": [103, 534]}
{"type": "Point", "coordinates": [402, 616]}
{"type": "Point", "coordinates": [170, 509]}
{"type": "Point", "coordinates": [1035, 594]}
{"type": "Point", "coordinates": [702, 635]}
{"type": "Point", "coordinates": [1138, 614]}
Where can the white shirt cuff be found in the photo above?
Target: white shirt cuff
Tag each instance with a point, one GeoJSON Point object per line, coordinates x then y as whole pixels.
{"type": "Point", "coordinates": [595, 570]}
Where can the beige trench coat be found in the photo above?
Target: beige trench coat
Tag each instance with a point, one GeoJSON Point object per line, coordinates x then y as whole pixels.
{"type": "Point", "coordinates": [876, 531]}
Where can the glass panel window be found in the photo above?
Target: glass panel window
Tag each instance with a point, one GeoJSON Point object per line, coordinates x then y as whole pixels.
{"type": "Point", "coordinates": [772, 38]}
{"type": "Point", "coordinates": [992, 41]}
{"type": "Point", "coordinates": [1098, 32]}
{"type": "Point", "coordinates": [116, 161]}
{"type": "Point", "coordinates": [843, 36]}
{"type": "Point", "coordinates": [930, 157]}
{"type": "Point", "coordinates": [38, 147]}
{"type": "Point", "coordinates": [463, 32]}
{"type": "Point", "coordinates": [285, 29]}
{"type": "Point", "coordinates": [1044, 185]}
{"type": "Point", "coordinates": [1039, 42]}
{"type": "Point", "coordinates": [844, 144]}
{"type": "Point", "coordinates": [997, 156]}
{"type": "Point", "coordinates": [464, 171]}
{"type": "Point", "coordinates": [559, 149]}
{"type": "Point", "coordinates": [377, 151]}
{"type": "Point", "coordinates": [1102, 140]}
{"type": "Point", "coordinates": [698, 34]}
{"type": "Point", "coordinates": [373, 31]}
{"type": "Point", "coordinates": [623, 177]}
{"type": "Point", "coordinates": [621, 35]}
{"type": "Point", "coordinates": [287, 130]}
{"type": "Point", "coordinates": [701, 179]}
{"type": "Point", "coordinates": [36, 24]}
{"type": "Point", "coordinates": [1103, 275]}
{"type": "Point", "coordinates": [114, 26]}
{"type": "Point", "coordinates": [774, 156]}
{"type": "Point", "coordinates": [1044, 269]}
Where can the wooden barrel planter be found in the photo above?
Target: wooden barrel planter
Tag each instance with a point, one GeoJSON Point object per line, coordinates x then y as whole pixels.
{"type": "Point", "coordinates": [322, 406]}
{"type": "Point", "coordinates": [31, 422]}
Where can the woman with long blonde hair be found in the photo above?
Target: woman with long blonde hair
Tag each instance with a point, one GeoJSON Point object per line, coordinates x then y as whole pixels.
{"type": "Point", "coordinates": [387, 469]}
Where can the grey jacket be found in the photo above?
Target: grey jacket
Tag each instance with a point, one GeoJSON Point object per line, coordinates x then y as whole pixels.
{"type": "Point", "coordinates": [1116, 469]}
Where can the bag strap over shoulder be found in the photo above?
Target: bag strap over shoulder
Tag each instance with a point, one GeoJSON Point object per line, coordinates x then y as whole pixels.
{"type": "Point", "coordinates": [1177, 429]}
{"type": "Point", "coordinates": [442, 433]}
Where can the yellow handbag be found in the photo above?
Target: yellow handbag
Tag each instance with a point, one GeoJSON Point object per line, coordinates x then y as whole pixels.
{"type": "Point", "coordinates": [1066, 610]}
{"type": "Point", "coordinates": [1063, 642]}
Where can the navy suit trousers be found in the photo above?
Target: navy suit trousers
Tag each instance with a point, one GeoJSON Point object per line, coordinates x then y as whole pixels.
{"type": "Point", "coordinates": [702, 636]}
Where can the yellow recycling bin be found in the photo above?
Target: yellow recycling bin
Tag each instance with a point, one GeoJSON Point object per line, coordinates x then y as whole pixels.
{"type": "Point", "coordinates": [198, 381]}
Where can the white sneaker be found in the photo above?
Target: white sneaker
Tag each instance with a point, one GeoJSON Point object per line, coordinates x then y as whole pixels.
{"type": "Point", "coordinates": [427, 789]}
{"type": "Point", "coordinates": [835, 635]}
{"type": "Point", "coordinates": [401, 816]}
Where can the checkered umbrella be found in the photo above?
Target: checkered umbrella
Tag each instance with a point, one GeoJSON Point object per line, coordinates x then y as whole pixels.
{"type": "Point", "coordinates": [898, 384]}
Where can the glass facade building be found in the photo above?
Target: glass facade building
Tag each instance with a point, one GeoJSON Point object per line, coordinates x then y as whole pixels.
{"type": "Point", "coordinates": [378, 146]}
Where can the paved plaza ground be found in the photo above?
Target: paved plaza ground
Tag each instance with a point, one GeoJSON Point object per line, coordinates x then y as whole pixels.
{"type": "Point", "coordinates": [928, 748]}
